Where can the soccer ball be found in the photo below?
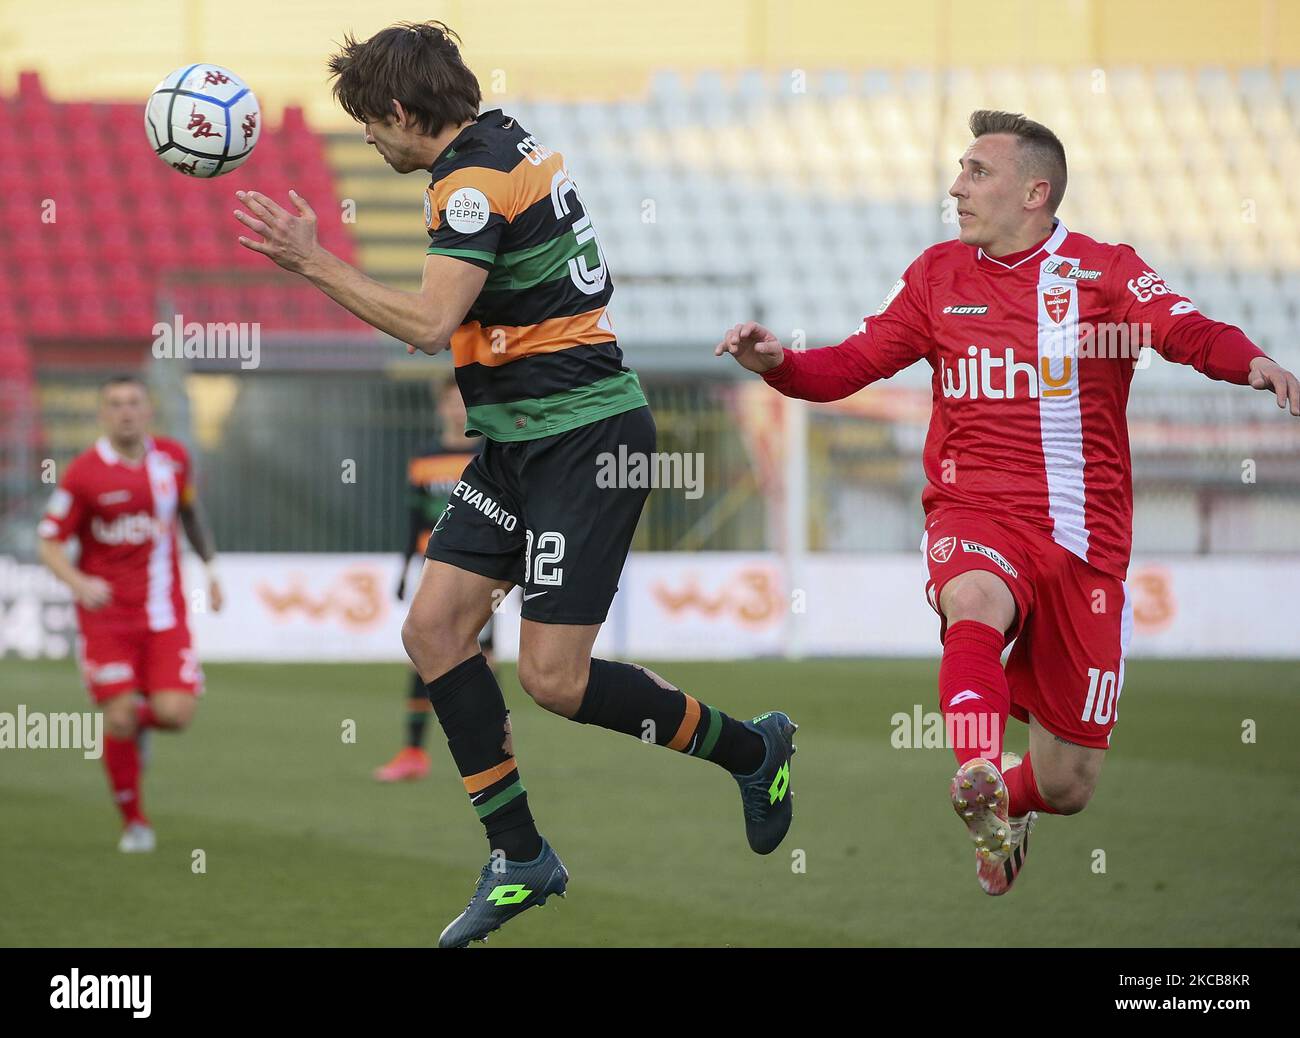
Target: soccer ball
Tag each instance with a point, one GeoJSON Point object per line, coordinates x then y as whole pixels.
{"type": "Point", "coordinates": [203, 120]}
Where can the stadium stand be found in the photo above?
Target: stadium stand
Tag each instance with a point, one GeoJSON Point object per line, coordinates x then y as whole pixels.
{"type": "Point", "coordinates": [90, 262]}
{"type": "Point", "coordinates": [714, 194]}
{"type": "Point", "coordinates": [89, 255]}
{"type": "Point", "coordinates": [719, 196]}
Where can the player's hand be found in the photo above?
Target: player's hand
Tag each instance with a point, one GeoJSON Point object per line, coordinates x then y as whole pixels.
{"type": "Point", "coordinates": [92, 592]}
{"type": "Point", "coordinates": [753, 346]}
{"type": "Point", "coordinates": [1267, 374]}
{"type": "Point", "coordinates": [287, 239]}
{"type": "Point", "coordinates": [215, 597]}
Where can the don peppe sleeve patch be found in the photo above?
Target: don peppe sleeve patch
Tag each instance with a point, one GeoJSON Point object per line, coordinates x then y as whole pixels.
{"type": "Point", "coordinates": [467, 210]}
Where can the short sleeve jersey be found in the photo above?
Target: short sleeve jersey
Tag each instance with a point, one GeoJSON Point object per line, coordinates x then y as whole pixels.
{"type": "Point", "coordinates": [536, 354]}
{"type": "Point", "coordinates": [124, 514]}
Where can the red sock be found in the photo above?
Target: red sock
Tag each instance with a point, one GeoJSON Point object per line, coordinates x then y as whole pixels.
{"type": "Point", "coordinates": [122, 762]}
{"type": "Point", "coordinates": [144, 715]}
{"type": "Point", "coordinates": [1022, 791]}
{"type": "Point", "coordinates": [973, 691]}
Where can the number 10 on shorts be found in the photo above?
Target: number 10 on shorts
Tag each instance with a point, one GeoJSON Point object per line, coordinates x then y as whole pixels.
{"type": "Point", "coordinates": [1102, 696]}
{"type": "Point", "coordinates": [543, 568]}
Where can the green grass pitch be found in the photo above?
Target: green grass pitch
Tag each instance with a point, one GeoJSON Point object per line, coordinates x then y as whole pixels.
{"type": "Point", "coordinates": [1198, 829]}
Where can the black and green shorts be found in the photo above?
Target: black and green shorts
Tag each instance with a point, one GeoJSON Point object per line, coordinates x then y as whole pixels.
{"type": "Point", "coordinates": [533, 512]}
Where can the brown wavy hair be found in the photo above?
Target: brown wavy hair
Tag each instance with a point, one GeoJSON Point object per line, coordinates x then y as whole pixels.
{"type": "Point", "coordinates": [416, 63]}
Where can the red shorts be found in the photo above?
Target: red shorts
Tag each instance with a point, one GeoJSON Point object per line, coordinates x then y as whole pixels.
{"type": "Point", "coordinates": [1072, 627]}
{"type": "Point", "coordinates": [115, 660]}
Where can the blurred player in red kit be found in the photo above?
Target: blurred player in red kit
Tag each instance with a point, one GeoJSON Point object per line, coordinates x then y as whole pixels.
{"type": "Point", "coordinates": [1032, 332]}
{"type": "Point", "coordinates": [121, 499]}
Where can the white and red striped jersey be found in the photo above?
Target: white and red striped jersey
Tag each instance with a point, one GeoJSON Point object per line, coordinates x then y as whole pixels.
{"type": "Point", "coordinates": [124, 515]}
{"type": "Point", "coordinates": [1032, 357]}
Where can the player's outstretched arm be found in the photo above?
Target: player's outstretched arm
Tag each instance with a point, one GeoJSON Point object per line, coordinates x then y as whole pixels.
{"type": "Point", "coordinates": [1181, 333]}
{"type": "Point", "coordinates": [753, 346]}
{"type": "Point", "coordinates": [829, 373]}
{"type": "Point", "coordinates": [1268, 374]}
{"type": "Point", "coordinates": [896, 336]}
{"type": "Point", "coordinates": [424, 320]}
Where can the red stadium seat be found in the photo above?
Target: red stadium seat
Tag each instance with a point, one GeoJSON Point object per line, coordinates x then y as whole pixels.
{"type": "Point", "coordinates": [116, 246]}
{"type": "Point", "coordinates": [30, 90]}
{"type": "Point", "coordinates": [99, 268]}
{"type": "Point", "coordinates": [46, 317]}
{"type": "Point", "coordinates": [90, 316]}
{"type": "Point", "coordinates": [37, 284]}
{"type": "Point", "coordinates": [10, 319]}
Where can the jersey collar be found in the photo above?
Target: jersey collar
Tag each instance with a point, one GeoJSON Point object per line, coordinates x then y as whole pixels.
{"type": "Point", "coordinates": [459, 140]}
{"type": "Point", "coordinates": [110, 457]}
{"type": "Point", "coordinates": [1049, 245]}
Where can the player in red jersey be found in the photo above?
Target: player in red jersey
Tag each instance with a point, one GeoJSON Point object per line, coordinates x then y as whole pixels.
{"type": "Point", "coordinates": [1032, 333]}
{"type": "Point", "coordinates": [121, 499]}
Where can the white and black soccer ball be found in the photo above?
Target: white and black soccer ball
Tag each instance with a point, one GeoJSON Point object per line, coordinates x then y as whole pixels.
{"type": "Point", "coordinates": [203, 120]}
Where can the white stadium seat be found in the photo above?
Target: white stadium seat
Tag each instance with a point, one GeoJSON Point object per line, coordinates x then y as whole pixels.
{"type": "Point", "coordinates": [814, 202]}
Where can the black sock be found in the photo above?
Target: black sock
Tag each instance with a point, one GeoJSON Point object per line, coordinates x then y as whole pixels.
{"type": "Point", "coordinates": [417, 712]}
{"type": "Point", "coordinates": [624, 697]}
{"type": "Point", "coordinates": [472, 712]}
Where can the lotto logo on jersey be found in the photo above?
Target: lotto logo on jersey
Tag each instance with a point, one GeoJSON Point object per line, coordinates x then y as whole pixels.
{"type": "Point", "coordinates": [136, 528]}
{"type": "Point", "coordinates": [982, 374]}
{"type": "Point", "coordinates": [1148, 285]}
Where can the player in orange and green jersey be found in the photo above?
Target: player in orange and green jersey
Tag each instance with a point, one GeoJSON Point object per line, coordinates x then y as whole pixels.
{"type": "Point", "coordinates": [516, 286]}
{"type": "Point", "coordinates": [536, 354]}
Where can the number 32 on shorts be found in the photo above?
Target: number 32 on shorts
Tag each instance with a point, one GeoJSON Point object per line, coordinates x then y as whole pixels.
{"type": "Point", "coordinates": [550, 551]}
{"type": "Point", "coordinates": [1103, 696]}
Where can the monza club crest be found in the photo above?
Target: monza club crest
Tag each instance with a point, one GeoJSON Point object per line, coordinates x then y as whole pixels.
{"type": "Point", "coordinates": [1056, 300]}
{"type": "Point", "coordinates": [941, 551]}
